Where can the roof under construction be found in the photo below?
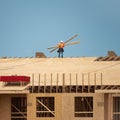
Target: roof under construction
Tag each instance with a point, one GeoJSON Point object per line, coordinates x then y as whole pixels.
{"type": "Point", "coordinates": [82, 71]}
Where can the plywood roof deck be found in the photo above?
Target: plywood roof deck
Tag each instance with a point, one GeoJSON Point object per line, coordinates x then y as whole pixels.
{"type": "Point", "coordinates": [44, 68]}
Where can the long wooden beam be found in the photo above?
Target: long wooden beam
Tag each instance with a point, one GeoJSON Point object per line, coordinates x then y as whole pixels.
{"type": "Point", "coordinates": [45, 107]}
{"type": "Point", "coordinates": [19, 111]}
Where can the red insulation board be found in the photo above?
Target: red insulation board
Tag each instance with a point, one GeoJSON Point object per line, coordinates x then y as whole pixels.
{"type": "Point", "coordinates": [15, 78]}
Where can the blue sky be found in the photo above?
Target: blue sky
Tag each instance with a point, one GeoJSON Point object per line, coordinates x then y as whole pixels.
{"type": "Point", "coordinates": [29, 26]}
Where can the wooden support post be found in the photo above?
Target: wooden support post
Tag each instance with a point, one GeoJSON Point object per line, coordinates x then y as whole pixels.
{"type": "Point", "coordinates": [70, 83]}
{"type": "Point", "coordinates": [21, 83]}
{"type": "Point", "coordinates": [101, 81]}
{"type": "Point", "coordinates": [82, 82]}
{"type": "Point", "coordinates": [39, 83]}
{"type": "Point", "coordinates": [88, 82]}
{"type": "Point", "coordinates": [63, 82]}
{"type": "Point", "coordinates": [57, 83]}
{"type": "Point", "coordinates": [76, 82]}
{"type": "Point", "coordinates": [51, 83]}
{"type": "Point", "coordinates": [44, 83]}
{"type": "Point", "coordinates": [95, 80]}
{"type": "Point", "coordinates": [32, 83]}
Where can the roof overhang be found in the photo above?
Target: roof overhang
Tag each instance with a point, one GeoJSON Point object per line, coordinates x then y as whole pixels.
{"type": "Point", "coordinates": [14, 91]}
{"type": "Point", "coordinates": [107, 91]}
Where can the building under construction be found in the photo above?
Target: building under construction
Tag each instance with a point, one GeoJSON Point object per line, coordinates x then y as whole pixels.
{"type": "Point", "coordinates": [41, 88]}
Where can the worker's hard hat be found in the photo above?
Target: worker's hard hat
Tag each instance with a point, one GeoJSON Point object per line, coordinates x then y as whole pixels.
{"type": "Point", "coordinates": [61, 41]}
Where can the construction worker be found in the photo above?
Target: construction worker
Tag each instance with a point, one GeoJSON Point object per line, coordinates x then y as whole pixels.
{"type": "Point", "coordinates": [60, 50]}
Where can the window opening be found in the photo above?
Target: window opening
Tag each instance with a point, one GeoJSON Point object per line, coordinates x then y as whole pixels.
{"type": "Point", "coordinates": [18, 108]}
{"type": "Point", "coordinates": [116, 108]}
{"type": "Point", "coordinates": [45, 107]}
{"type": "Point", "coordinates": [83, 106]}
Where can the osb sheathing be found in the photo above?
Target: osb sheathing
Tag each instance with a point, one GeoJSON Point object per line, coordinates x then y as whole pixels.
{"type": "Point", "coordinates": [5, 107]}
{"type": "Point", "coordinates": [64, 106]}
{"type": "Point", "coordinates": [46, 66]}
{"type": "Point", "coordinates": [31, 101]}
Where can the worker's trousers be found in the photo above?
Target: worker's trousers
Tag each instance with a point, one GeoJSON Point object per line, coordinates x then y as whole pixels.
{"type": "Point", "coordinates": [60, 55]}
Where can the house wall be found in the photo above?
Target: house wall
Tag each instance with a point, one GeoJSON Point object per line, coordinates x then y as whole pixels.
{"type": "Point", "coordinates": [5, 107]}
{"type": "Point", "coordinates": [64, 106]}
{"type": "Point", "coordinates": [31, 102]}
{"type": "Point", "coordinates": [99, 106]}
{"type": "Point", "coordinates": [68, 106]}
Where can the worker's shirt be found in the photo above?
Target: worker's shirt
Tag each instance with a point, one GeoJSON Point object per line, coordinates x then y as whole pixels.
{"type": "Point", "coordinates": [61, 45]}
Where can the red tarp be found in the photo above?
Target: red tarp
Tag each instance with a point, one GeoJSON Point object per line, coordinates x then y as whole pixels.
{"type": "Point", "coordinates": [15, 78]}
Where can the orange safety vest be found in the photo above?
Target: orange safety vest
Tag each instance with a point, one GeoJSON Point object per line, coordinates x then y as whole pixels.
{"type": "Point", "coordinates": [61, 45]}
